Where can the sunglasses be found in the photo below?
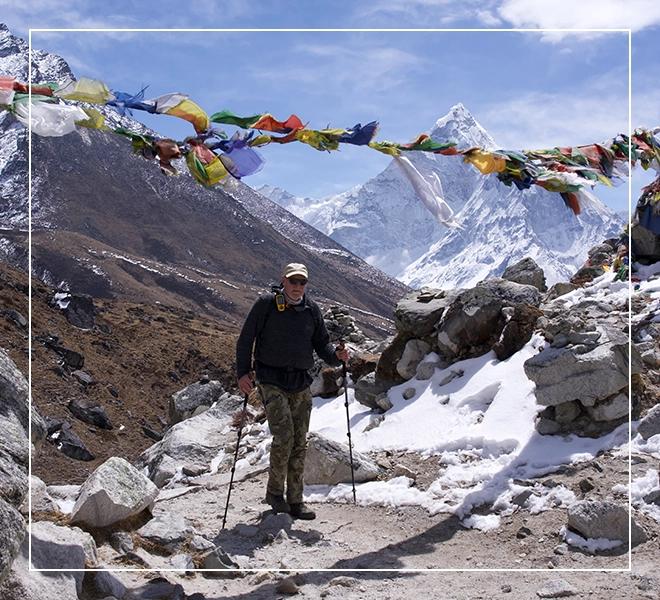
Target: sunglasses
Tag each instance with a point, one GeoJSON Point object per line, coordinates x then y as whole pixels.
{"type": "Point", "coordinates": [296, 281]}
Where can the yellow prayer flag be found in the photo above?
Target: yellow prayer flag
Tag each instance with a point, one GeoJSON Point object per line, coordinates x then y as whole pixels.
{"type": "Point", "coordinates": [95, 120]}
{"type": "Point", "coordinates": [215, 171]}
{"type": "Point", "coordinates": [385, 148]}
{"type": "Point", "coordinates": [191, 112]}
{"type": "Point", "coordinates": [85, 90]}
{"type": "Point", "coordinates": [485, 161]}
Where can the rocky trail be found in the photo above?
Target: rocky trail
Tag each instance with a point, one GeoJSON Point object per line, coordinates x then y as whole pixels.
{"type": "Point", "coordinates": [372, 552]}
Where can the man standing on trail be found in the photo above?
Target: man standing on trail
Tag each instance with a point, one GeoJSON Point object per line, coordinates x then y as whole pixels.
{"type": "Point", "coordinates": [283, 329]}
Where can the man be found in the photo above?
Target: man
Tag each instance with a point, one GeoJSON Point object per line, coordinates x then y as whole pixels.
{"type": "Point", "coordinates": [282, 330]}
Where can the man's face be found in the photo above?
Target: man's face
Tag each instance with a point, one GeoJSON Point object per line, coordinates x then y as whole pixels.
{"type": "Point", "coordinates": [294, 287]}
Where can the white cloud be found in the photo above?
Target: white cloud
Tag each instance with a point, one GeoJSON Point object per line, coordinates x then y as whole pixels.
{"type": "Point", "coordinates": [334, 69]}
{"type": "Point", "coordinates": [585, 14]}
{"type": "Point", "coordinates": [488, 19]}
{"type": "Point", "coordinates": [541, 120]}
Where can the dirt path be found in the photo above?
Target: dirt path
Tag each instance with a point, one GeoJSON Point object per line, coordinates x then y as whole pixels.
{"type": "Point", "coordinates": [374, 553]}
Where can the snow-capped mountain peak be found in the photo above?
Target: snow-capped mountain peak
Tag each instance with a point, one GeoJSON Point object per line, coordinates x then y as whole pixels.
{"type": "Point", "coordinates": [459, 126]}
{"type": "Point", "coordinates": [385, 223]}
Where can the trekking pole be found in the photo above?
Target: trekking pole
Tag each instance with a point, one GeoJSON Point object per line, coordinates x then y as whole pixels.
{"type": "Point", "coordinates": [348, 421]}
{"type": "Point", "coordinates": [233, 467]}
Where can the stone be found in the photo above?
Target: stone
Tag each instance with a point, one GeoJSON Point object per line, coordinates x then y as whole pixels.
{"type": "Point", "coordinates": [409, 393]}
{"type": "Point", "coordinates": [416, 315]}
{"type": "Point", "coordinates": [287, 586]}
{"type": "Point", "coordinates": [526, 272]}
{"type": "Point", "coordinates": [191, 443]}
{"type": "Point", "coordinates": [586, 274]}
{"type": "Point", "coordinates": [646, 243]}
{"type": "Point", "coordinates": [413, 354]}
{"type": "Point", "coordinates": [161, 589]}
{"type": "Point", "coordinates": [361, 364]}
{"type": "Point", "coordinates": [84, 379]}
{"type": "Point", "coordinates": [604, 519]}
{"type": "Point", "coordinates": [64, 550]}
{"type": "Point", "coordinates": [650, 424]}
{"type": "Point", "coordinates": [40, 499]}
{"type": "Point", "coordinates": [67, 441]}
{"type": "Point", "coordinates": [183, 562]}
{"type": "Point", "coordinates": [80, 311]}
{"type": "Point", "coordinates": [561, 375]}
{"type": "Point", "coordinates": [547, 426]}
{"type": "Point", "coordinates": [557, 588]}
{"type": "Point", "coordinates": [115, 491]}
{"type": "Point", "coordinates": [193, 400]}
{"type": "Point", "coordinates": [369, 388]}
{"type": "Point", "coordinates": [169, 531]}
{"type": "Point", "coordinates": [425, 370]}
{"type": "Point", "coordinates": [328, 463]}
{"type": "Point", "coordinates": [94, 415]}
{"type": "Point", "coordinates": [560, 288]}
{"type": "Point", "coordinates": [512, 293]}
{"type": "Point", "coordinates": [610, 409]}
{"type": "Point", "coordinates": [17, 318]}
{"type": "Point", "coordinates": [199, 543]}
{"type": "Point", "coordinates": [390, 356]}
{"type": "Point", "coordinates": [567, 412]}
{"type": "Point", "coordinates": [383, 401]}
{"type": "Point", "coordinates": [326, 383]}
{"type": "Point", "coordinates": [518, 329]}
{"type": "Point", "coordinates": [122, 542]}
{"type": "Point", "coordinates": [473, 322]}
{"type": "Point", "coordinates": [403, 471]}
{"type": "Point", "coordinates": [15, 451]}
{"type": "Point", "coordinates": [107, 584]}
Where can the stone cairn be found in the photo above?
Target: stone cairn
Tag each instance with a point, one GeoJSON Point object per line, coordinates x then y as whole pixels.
{"type": "Point", "coordinates": [341, 325]}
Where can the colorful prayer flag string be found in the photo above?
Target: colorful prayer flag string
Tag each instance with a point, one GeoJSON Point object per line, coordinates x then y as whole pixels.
{"type": "Point", "coordinates": [211, 157]}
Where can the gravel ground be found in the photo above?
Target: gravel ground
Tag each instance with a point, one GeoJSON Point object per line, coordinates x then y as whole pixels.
{"type": "Point", "coordinates": [370, 552]}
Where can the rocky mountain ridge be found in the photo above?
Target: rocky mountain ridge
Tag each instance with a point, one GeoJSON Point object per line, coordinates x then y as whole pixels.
{"type": "Point", "coordinates": [145, 237]}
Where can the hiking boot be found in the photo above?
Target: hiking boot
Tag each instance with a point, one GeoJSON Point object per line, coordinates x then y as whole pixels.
{"type": "Point", "coordinates": [299, 510]}
{"type": "Point", "coordinates": [277, 503]}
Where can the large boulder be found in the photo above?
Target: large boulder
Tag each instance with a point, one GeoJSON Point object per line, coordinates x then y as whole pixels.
{"type": "Point", "coordinates": [370, 391]}
{"type": "Point", "coordinates": [526, 272]}
{"type": "Point", "coordinates": [417, 314]}
{"type": "Point", "coordinates": [328, 463]}
{"type": "Point", "coordinates": [113, 492]}
{"type": "Point", "coordinates": [413, 354]}
{"type": "Point", "coordinates": [650, 424]}
{"type": "Point", "coordinates": [512, 293]}
{"type": "Point", "coordinates": [192, 444]}
{"type": "Point", "coordinates": [471, 324]}
{"type": "Point", "coordinates": [589, 372]}
{"type": "Point", "coordinates": [64, 551]}
{"type": "Point", "coordinates": [194, 399]}
{"type": "Point", "coordinates": [596, 519]}
{"type": "Point", "coordinates": [520, 325]}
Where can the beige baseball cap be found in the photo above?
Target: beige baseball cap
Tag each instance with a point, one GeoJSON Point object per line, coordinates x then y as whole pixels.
{"type": "Point", "coordinates": [295, 269]}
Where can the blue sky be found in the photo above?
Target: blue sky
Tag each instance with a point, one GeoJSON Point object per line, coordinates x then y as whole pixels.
{"type": "Point", "coordinates": [528, 89]}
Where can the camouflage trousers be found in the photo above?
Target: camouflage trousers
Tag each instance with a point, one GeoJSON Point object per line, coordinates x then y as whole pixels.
{"type": "Point", "coordinates": [288, 418]}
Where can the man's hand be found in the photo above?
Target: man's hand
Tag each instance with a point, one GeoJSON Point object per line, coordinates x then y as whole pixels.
{"type": "Point", "coordinates": [245, 384]}
{"type": "Point", "coordinates": [342, 353]}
